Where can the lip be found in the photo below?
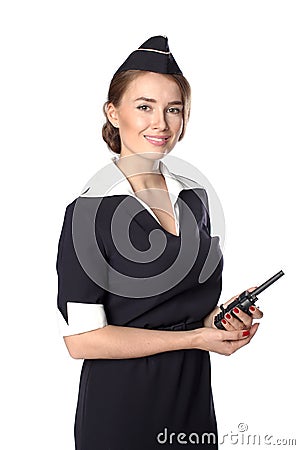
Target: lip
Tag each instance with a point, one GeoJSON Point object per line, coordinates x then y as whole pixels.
{"type": "Point", "coordinates": [157, 140]}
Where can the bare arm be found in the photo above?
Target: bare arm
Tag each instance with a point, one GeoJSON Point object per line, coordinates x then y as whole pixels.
{"type": "Point", "coordinates": [117, 342]}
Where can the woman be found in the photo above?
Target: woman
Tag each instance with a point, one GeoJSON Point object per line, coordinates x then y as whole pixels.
{"type": "Point", "coordinates": [142, 322]}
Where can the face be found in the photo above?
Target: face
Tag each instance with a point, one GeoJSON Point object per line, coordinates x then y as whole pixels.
{"type": "Point", "coordinates": [150, 116]}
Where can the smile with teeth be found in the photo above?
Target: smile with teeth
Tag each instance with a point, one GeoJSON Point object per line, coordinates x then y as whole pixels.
{"type": "Point", "coordinates": [157, 140]}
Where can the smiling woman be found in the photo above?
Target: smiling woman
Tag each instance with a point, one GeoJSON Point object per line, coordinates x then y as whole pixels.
{"type": "Point", "coordinates": [129, 258]}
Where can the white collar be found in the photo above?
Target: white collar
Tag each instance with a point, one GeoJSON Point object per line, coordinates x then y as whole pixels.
{"type": "Point", "coordinates": [110, 180]}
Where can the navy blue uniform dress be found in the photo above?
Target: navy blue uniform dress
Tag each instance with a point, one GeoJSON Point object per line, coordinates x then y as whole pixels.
{"type": "Point", "coordinates": [117, 265]}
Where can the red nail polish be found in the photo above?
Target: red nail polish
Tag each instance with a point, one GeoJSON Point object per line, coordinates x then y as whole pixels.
{"type": "Point", "coordinates": [236, 310]}
{"type": "Point", "coordinates": [252, 308]}
{"type": "Point", "coordinates": [228, 316]}
{"type": "Point", "coordinates": [224, 321]}
{"type": "Point", "coordinates": [246, 333]}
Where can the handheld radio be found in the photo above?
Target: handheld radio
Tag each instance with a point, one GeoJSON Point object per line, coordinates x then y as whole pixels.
{"type": "Point", "coordinates": [244, 301]}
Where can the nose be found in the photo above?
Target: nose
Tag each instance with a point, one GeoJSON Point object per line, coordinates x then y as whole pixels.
{"type": "Point", "coordinates": [159, 121]}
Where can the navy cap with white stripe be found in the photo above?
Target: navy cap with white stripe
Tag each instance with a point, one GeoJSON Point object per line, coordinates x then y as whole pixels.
{"type": "Point", "coordinates": [153, 56]}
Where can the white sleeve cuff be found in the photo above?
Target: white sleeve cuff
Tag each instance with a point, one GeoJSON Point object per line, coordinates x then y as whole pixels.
{"type": "Point", "coordinates": [82, 317]}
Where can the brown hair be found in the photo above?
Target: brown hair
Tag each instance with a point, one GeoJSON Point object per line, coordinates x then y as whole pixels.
{"type": "Point", "coordinates": [117, 88]}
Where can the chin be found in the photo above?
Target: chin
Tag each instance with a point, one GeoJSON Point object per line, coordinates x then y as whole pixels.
{"type": "Point", "coordinates": [157, 153]}
{"type": "Point", "coordinates": [153, 154]}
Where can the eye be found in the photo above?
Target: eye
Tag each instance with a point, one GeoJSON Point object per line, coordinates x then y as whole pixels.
{"type": "Point", "coordinates": [174, 110]}
{"type": "Point", "coordinates": [143, 107]}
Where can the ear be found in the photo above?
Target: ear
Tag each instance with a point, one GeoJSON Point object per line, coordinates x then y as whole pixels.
{"type": "Point", "coordinates": [112, 114]}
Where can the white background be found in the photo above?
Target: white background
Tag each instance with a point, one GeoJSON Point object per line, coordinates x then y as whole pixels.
{"type": "Point", "coordinates": [242, 60]}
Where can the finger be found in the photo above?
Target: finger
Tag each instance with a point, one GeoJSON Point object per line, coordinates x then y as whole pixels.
{"type": "Point", "coordinates": [236, 335]}
{"type": "Point", "coordinates": [247, 335]}
{"type": "Point", "coordinates": [227, 325]}
{"type": "Point", "coordinates": [252, 288]}
{"type": "Point", "coordinates": [236, 296]}
{"type": "Point", "coordinates": [235, 322]}
{"type": "Point", "coordinates": [244, 319]}
{"type": "Point", "coordinates": [230, 301]}
{"type": "Point", "coordinates": [256, 313]}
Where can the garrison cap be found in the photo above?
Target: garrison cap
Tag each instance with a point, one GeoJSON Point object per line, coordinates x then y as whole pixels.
{"type": "Point", "coordinates": [153, 56]}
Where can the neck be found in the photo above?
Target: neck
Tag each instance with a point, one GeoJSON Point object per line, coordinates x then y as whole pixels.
{"type": "Point", "coordinates": [142, 172]}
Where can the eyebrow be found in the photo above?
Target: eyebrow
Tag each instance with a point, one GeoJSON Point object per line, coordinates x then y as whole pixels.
{"type": "Point", "coordinates": [152, 100]}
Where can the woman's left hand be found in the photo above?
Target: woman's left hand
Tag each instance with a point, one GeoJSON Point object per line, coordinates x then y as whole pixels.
{"type": "Point", "coordinates": [241, 321]}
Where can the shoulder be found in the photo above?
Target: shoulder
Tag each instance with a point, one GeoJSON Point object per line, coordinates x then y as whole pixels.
{"type": "Point", "coordinates": [193, 187]}
{"type": "Point", "coordinates": [107, 181]}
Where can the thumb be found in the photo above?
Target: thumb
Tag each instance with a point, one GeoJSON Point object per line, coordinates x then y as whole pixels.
{"type": "Point", "coordinates": [236, 296]}
{"type": "Point", "coordinates": [236, 335]}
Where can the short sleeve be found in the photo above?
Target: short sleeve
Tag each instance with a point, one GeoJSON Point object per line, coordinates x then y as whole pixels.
{"type": "Point", "coordinates": [79, 298]}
